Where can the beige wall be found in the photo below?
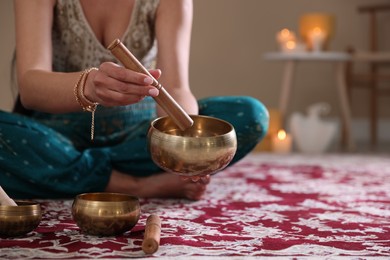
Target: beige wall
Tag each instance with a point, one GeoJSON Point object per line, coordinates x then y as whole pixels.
{"type": "Point", "coordinates": [6, 51]}
{"type": "Point", "coordinates": [229, 39]}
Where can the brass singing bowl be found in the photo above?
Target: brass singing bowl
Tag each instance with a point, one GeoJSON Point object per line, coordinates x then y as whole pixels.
{"type": "Point", "coordinates": [19, 220]}
{"type": "Point", "coordinates": [105, 214]}
{"type": "Point", "coordinates": [205, 148]}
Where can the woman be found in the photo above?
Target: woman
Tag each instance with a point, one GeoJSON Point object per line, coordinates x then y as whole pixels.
{"type": "Point", "coordinates": [64, 67]}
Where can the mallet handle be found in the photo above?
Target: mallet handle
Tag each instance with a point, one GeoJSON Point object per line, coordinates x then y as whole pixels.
{"type": "Point", "coordinates": [151, 241]}
{"type": "Point", "coordinates": [170, 106]}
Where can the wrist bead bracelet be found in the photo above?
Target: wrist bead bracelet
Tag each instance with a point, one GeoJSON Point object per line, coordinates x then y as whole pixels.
{"type": "Point", "coordinates": [85, 103]}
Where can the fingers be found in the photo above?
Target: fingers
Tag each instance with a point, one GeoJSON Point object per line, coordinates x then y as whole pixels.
{"type": "Point", "coordinates": [112, 92]}
{"type": "Point", "coordinates": [114, 85]}
{"type": "Point", "coordinates": [156, 73]}
{"type": "Point", "coordinates": [196, 190]}
{"type": "Point", "coordinates": [122, 74]}
{"type": "Point", "coordinates": [196, 186]}
{"type": "Point", "coordinates": [195, 178]}
{"type": "Point", "coordinates": [203, 179]}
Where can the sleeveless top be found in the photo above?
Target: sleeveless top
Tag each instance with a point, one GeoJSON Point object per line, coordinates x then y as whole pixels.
{"type": "Point", "coordinates": [75, 48]}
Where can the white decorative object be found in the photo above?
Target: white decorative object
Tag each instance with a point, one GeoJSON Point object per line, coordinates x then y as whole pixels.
{"type": "Point", "coordinates": [311, 133]}
{"type": "Point", "coordinates": [317, 38]}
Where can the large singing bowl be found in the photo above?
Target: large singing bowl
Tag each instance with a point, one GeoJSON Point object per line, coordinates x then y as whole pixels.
{"type": "Point", "coordinates": [205, 148]}
{"type": "Point", "coordinates": [105, 214]}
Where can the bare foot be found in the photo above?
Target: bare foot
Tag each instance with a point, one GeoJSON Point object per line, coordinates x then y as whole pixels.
{"type": "Point", "coordinates": [163, 185]}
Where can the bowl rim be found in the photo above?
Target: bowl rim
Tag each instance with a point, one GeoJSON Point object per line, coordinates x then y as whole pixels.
{"type": "Point", "coordinates": [24, 205]}
{"type": "Point", "coordinates": [82, 197]}
{"type": "Point", "coordinates": [229, 132]}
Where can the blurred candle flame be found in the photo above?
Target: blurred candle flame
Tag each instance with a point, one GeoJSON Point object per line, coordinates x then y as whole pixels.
{"type": "Point", "coordinates": [285, 32]}
{"type": "Point", "coordinates": [317, 30]}
{"type": "Point", "coordinates": [291, 45]}
{"type": "Point", "coordinates": [282, 134]}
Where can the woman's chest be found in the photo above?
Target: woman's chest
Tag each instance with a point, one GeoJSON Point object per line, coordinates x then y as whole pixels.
{"type": "Point", "coordinates": [108, 19]}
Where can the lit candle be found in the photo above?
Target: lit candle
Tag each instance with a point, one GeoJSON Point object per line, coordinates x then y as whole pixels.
{"type": "Point", "coordinates": [286, 40]}
{"type": "Point", "coordinates": [281, 142]}
{"type": "Point", "coordinates": [309, 21]}
{"type": "Point", "coordinates": [285, 35]}
{"type": "Point", "coordinates": [317, 38]}
{"type": "Point", "coordinates": [289, 46]}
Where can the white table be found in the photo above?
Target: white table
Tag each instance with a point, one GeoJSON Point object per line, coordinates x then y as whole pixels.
{"type": "Point", "coordinates": [339, 59]}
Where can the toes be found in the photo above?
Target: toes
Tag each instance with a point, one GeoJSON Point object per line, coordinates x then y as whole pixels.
{"type": "Point", "coordinates": [205, 179]}
{"type": "Point", "coordinates": [195, 186]}
{"type": "Point", "coordinates": [195, 178]}
{"type": "Point", "coordinates": [195, 190]}
{"type": "Point", "coordinates": [194, 195]}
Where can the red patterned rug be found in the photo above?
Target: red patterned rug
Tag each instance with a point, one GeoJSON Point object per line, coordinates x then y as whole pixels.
{"type": "Point", "coordinates": [266, 205]}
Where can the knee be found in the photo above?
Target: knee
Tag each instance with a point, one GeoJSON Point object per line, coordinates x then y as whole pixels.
{"type": "Point", "coordinates": [248, 115]}
{"type": "Point", "coordinates": [255, 116]}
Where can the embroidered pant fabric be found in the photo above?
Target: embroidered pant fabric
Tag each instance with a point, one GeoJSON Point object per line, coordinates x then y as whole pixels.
{"type": "Point", "coordinates": [37, 161]}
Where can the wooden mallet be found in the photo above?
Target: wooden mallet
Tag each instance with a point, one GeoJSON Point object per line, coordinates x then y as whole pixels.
{"type": "Point", "coordinates": [151, 241]}
{"type": "Point", "coordinates": [5, 200]}
{"type": "Point", "coordinates": [164, 99]}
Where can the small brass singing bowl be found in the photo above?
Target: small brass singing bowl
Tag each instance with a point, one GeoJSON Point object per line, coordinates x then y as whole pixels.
{"type": "Point", "coordinates": [19, 220]}
{"type": "Point", "coordinates": [105, 214]}
{"type": "Point", "coordinates": [205, 148]}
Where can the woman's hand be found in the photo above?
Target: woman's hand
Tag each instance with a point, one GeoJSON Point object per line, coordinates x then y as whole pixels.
{"type": "Point", "coordinates": [113, 85]}
{"type": "Point", "coordinates": [204, 179]}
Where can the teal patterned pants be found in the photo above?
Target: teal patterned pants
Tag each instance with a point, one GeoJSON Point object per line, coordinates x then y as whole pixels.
{"type": "Point", "coordinates": [37, 161]}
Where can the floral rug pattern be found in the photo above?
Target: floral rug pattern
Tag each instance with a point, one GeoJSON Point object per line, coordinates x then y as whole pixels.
{"type": "Point", "coordinates": [265, 205]}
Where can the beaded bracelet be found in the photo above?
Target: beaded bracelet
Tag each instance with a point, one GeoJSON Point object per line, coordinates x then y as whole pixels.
{"type": "Point", "coordinates": [85, 103]}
